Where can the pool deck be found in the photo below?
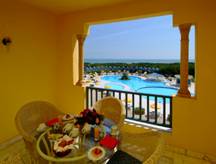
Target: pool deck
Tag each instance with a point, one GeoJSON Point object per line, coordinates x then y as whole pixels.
{"type": "Point", "coordinates": [103, 83]}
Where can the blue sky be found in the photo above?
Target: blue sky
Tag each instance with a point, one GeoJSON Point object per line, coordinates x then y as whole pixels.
{"type": "Point", "coordinates": [149, 38]}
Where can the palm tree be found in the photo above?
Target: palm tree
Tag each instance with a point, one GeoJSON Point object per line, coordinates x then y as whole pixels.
{"type": "Point", "coordinates": [125, 76]}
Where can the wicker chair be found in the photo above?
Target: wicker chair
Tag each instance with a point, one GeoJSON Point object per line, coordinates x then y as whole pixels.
{"type": "Point", "coordinates": [112, 108]}
{"type": "Point", "coordinates": [27, 120]}
{"type": "Point", "coordinates": [146, 147]}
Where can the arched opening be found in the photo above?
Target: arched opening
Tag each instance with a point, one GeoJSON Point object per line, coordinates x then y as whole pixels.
{"type": "Point", "coordinates": [139, 62]}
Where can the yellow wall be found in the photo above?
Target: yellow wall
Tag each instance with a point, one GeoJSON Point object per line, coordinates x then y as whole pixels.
{"type": "Point", "coordinates": [70, 97]}
{"type": "Point", "coordinates": [28, 67]}
{"type": "Point", "coordinates": [193, 119]}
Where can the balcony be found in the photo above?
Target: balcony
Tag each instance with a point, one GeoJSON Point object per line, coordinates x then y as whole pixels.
{"type": "Point", "coordinates": [140, 108]}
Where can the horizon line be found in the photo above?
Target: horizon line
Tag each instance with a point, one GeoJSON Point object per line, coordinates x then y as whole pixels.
{"type": "Point", "coordinates": [132, 59]}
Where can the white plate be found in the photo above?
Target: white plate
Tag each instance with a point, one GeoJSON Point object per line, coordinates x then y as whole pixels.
{"type": "Point", "coordinates": [94, 158]}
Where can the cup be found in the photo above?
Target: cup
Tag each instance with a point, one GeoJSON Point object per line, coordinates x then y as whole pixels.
{"type": "Point", "coordinates": [74, 133]}
{"type": "Point", "coordinates": [41, 128]}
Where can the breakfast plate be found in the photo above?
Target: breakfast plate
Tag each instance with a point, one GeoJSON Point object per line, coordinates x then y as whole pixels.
{"type": "Point", "coordinates": [63, 146]}
{"type": "Point", "coordinates": [96, 153]}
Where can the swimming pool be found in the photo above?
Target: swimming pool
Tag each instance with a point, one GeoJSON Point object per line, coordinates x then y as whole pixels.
{"type": "Point", "coordinates": [138, 84]}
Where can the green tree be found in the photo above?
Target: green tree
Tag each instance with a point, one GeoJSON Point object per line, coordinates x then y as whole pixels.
{"type": "Point", "coordinates": [125, 76]}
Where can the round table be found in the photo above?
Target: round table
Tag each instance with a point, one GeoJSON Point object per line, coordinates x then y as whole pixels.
{"type": "Point", "coordinates": [82, 144]}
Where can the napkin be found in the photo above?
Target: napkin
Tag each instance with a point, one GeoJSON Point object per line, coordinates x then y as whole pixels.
{"type": "Point", "coordinates": [109, 142]}
{"type": "Point", "coordinates": [52, 121]}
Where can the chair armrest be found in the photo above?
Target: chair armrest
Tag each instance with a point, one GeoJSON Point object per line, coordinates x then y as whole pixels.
{"type": "Point", "coordinates": [27, 137]}
{"type": "Point", "coordinates": [121, 121]}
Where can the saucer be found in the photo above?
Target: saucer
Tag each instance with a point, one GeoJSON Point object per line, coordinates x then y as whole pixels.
{"type": "Point", "coordinates": [95, 157]}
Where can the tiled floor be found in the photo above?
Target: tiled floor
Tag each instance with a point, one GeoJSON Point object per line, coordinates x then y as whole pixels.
{"type": "Point", "coordinates": [174, 158]}
{"type": "Point", "coordinates": [16, 154]}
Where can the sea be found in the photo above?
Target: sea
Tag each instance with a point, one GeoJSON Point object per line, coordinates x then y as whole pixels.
{"type": "Point", "coordinates": [135, 60]}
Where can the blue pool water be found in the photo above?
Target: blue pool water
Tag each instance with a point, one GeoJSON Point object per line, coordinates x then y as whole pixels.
{"type": "Point", "coordinates": [115, 86]}
{"type": "Point", "coordinates": [139, 85]}
{"type": "Point", "coordinates": [159, 91]}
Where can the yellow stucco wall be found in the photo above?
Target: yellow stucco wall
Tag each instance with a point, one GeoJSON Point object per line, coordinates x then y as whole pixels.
{"type": "Point", "coordinates": [70, 97]}
{"type": "Point", "coordinates": [42, 63]}
{"type": "Point", "coordinates": [28, 66]}
{"type": "Point", "coordinates": [193, 119]}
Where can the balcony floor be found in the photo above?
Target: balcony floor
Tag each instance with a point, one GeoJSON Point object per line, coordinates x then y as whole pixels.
{"type": "Point", "coordinates": [16, 153]}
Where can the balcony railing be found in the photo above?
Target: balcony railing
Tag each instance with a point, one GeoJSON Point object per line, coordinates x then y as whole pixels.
{"type": "Point", "coordinates": [141, 107]}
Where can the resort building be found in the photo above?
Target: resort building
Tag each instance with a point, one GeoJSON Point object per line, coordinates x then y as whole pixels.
{"type": "Point", "coordinates": [178, 80]}
{"type": "Point", "coordinates": [41, 59]}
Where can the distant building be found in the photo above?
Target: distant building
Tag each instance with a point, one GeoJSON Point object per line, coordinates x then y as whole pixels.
{"type": "Point", "coordinates": [155, 77]}
{"type": "Point", "coordinates": [178, 80]}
